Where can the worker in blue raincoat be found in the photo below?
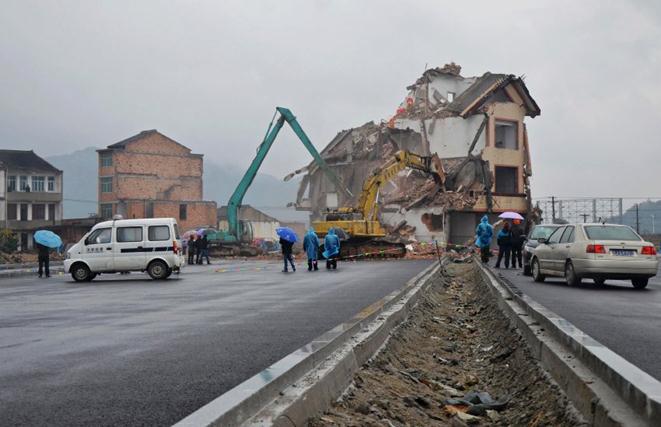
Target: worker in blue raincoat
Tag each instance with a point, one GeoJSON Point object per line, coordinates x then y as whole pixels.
{"type": "Point", "coordinates": [311, 247]}
{"type": "Point", "coordinates": [483, 236]}
{"type": "Point", "coordinates": [331, 249]}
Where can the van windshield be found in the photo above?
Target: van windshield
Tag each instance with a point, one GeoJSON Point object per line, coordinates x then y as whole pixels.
{"type": "Point", "coordinates": [605, 232]}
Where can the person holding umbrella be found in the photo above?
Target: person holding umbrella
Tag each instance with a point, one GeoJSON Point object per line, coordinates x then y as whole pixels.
{"type": "Point", "coordinates": [331, 249]}
{"type": "Point", "coordinates": [311, 246]}
{"type": "Point", "coordinates": [44, 241]}
{"type": "Point", "coordinates": [287, 239]}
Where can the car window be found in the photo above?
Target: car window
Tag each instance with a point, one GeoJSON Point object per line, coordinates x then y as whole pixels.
{"type": "Point", "coordinates": [568, 235]}
{"type": "Point", "coordinates": [129, 234]}
{"type": "Point", "coordinates": [157, 233]}
{"type": "Point", "coordinates": [541, 231]}
{"type": "Point", "coordinates": [610, 232]}
{"type": "Point", "coordinates": [555, 237]}
{"type": "Point", "coordinates": [176, 231]}
{"type": "Point", "coordinates": [99, 236]}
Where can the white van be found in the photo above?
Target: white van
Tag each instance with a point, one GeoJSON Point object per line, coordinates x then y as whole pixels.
{"type": "Point", "coordinates": [122, 245]}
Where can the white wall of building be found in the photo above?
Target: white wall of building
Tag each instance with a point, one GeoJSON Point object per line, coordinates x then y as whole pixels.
{"type": "Point", "coordinates": [413, 217]}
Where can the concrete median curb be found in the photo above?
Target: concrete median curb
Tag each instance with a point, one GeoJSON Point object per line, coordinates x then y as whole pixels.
{"type": "Point", "coordinates": [604, 387]}
{"type": "Point", "coordinates": [28, 271]}
{"type": "Point", "coordinates": [305, 382]}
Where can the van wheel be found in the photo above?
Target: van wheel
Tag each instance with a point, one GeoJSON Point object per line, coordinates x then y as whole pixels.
{"type": "Point", "coordinates": [169, 273]}
{"type": "Point", "coordinates": [570, 275]}
{"type": "Point", "coordinates": [640, 283]}
{"type": "Point", "coordinates": [536, 274]}
{"type": "Point", "coordinates": [81, 273]}
{"type": "Point", "coordinates": [158, 270]}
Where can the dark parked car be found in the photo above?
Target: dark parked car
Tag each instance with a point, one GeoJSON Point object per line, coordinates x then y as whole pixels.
{"type": "Point", "coordinates": [537, 232]}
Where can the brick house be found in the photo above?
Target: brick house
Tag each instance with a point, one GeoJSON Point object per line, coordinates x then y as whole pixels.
{"type": "Point", "coordinates": [150, 175]}
{"type": "Point", "coordinates": [30, 194]}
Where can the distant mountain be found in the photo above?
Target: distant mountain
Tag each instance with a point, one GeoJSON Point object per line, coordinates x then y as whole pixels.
{"type": "Point", "coordinates": [649, 217]}
{"type": "Point", "coordinates": [267, 192]}
{"type": "Point", "coordinates": [80, 180]}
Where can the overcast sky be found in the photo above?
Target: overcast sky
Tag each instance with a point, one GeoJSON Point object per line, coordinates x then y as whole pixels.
{"type": "Point", "coordinates": [208, 74]}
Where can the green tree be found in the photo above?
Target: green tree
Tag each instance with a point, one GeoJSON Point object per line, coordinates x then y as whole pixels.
{"type": "Point", "coordinates": [8, 241]}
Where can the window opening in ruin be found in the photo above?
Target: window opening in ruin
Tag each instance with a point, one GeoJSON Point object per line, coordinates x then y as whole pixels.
{"type": "Point", "coordinates": [506, 180]}
{"type": "Point", "coordinates": [450, 96]}
{"type": "Point", "coordinates": [432, 221]}
{"type": "Point", "coordinates": [183, 211]}
{"type": "Point", "coordinates": [507, 135]}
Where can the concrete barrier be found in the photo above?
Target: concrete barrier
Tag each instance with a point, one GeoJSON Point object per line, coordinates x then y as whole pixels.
{"type": "Point", "coordinates": [604, 387]}
{"type": "Point", "coordinates": [305, 382]}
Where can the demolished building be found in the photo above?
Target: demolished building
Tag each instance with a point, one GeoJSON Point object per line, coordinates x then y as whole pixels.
{"type": "Point", "coordinates": [475, 125]}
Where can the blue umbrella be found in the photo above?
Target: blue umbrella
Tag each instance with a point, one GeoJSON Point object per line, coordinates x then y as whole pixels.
{"type": "Point", "coordinates": [48, 239]}
{"type": "Point", "coordinates": [286, 233]}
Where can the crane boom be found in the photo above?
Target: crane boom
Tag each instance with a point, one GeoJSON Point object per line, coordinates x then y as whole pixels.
{"type": "Point", "coordinates": [272, 132]}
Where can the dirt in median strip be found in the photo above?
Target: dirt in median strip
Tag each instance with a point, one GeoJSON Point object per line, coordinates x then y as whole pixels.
{"type": "Point", "coordinates": [456, 344]}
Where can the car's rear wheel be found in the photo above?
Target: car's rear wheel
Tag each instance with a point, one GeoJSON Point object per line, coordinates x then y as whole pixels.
{"type": "Point", "coordinates": [158, 270]}
{"type": "Point", "coordinates": [599, 281]}
{"type": "Point", "coordinates": [570, 275]}
{"type": "Point", "coordinates": [536, 274]}
{"type": "Point", "coordinates": [640, 283]}
{"type": "Point", "coordinates": [81, 273]}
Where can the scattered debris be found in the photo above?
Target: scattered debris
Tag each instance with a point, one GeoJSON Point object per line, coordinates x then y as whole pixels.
{"type": "Point", "coordinates": [413, 380]}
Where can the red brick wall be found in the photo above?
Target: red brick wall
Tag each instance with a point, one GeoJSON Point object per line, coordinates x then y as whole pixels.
{"type": "Point", "coordinates": [155, 167]}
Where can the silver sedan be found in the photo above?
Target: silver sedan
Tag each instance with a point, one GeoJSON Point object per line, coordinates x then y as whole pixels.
{"type": "Point", "coordinates": [596, 251]}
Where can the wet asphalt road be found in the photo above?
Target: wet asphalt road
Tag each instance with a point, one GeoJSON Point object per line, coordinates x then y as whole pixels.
{"type": "Point", "coordinates": [125, 350]}
{"type": "Point", "coordinates": [626, 320]}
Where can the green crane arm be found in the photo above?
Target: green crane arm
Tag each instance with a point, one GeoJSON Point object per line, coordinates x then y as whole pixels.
{"type": "Point", "coordinates": [262, 151]}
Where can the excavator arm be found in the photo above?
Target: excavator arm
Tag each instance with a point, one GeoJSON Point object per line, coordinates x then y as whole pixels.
{"type": "Point", "coordinates": [271, 133]}
{"type": "Point", "coordinates": [367, 203]}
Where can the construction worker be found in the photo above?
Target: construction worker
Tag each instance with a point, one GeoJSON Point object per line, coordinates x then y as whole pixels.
{"type": "Point", "coordinates": [483, 236]}
{"type": "Point", "coordinates": [311, 247]}
{"type": "Point", "coordinates": [504, 245]}
{"type": "Point", "coordinates": [331, 249]}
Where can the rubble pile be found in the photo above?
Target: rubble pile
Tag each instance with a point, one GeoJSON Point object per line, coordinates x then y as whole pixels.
{"type": "Point", "coordinates": [456, 361]}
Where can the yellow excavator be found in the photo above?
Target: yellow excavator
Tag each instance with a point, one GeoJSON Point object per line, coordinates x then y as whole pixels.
{"type": "Point", "coordinates": [364, 232]}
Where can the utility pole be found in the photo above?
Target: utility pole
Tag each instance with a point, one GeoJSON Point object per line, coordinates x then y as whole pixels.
{"type": "Point", "coordinates": [637, 221]}
{"type": "Point", "coordinates": [653, 224]}
{"type": "Point", "coordinates": [553, 208]}
{"type": "Point", "coordinates": [585, 217]}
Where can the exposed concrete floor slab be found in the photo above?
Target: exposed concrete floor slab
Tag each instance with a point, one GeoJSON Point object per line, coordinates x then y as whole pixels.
{"type": "Point", "coordinates": [126, 350]}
